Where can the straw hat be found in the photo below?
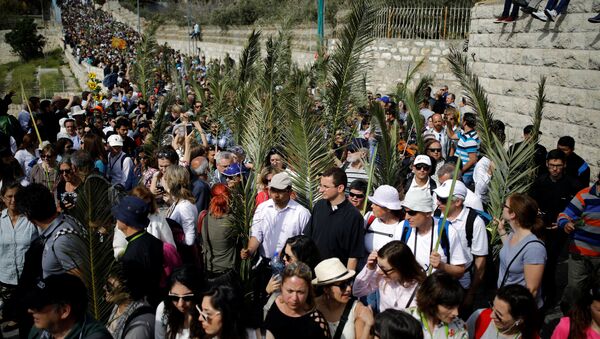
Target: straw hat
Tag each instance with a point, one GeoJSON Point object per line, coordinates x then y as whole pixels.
{"type": "Point", "coordinates": [330, 271]}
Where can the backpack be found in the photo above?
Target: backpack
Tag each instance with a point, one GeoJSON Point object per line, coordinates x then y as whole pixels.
{"type": "Point", "coordinates": [471, 216]}
{"type": "Point", "coordinates": [131, 178]}
{"type": "Point", "coordinates": [444, 242]}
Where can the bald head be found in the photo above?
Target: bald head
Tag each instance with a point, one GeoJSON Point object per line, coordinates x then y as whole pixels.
{"type": "Point", "coordinates": [199, 165]}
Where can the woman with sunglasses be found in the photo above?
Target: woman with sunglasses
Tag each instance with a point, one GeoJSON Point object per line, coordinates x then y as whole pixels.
{"type": "Point", "coordinates": [293, 314]}
{"type": "Point", "coordinates": [177, 316]}
{"type": "Point", "coordinates": [336, 303]}
{"type": "Point", "coordinates": [357, 194]}
{"type": "Point", "coordinates": [394, 272]}
{"type": "Point", "coordinates": [144, 167]}
{"type": "Point", "coordinates": [68, 183]}
{"type": "Point", "coordinates": [45, 172]}
{"type": "Point", "coordinates": [523, 255]}
{"type": "Point", "coordinates": [220, 314]}
{"type": "Point", "coordinates": [511, 315]}
{"type": "Point", "coordinates": [438, 299]}
{"type": "Point", "coordinates": [131, 317]}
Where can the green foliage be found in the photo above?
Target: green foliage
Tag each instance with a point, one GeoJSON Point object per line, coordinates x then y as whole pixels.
{"type": "Point", "coordinates": [144, 68]}
{"type": "Point", "coordinates": [344, 78]}
{"type": "Point", "coordinates": [25, 40]}
{"type": "Point", "coordinates": [512, 171]}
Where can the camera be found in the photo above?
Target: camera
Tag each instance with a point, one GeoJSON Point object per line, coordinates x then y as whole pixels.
{"type": "Point", "coordinates": [69, 198]}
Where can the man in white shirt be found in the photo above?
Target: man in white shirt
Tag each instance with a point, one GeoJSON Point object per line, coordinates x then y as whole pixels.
{"type": "Point", "coordinates": [471, 232]}
{"type": "Point", "coordinates": [424, 231]}
{"type": "Point", "coordinates": [120, 166]}
{"type": "Point", "coordinates": [276, 220]}
{"type": "Point", "coordinates": [439, 133]}
{"type": "Point", "coordinates": [471, 199]}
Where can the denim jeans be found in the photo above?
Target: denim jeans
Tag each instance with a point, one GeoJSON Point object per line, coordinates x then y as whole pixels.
{"type": "Point", "coordinates": [562, 6]}
{"type": "Point", "coordinates": [515, 9]}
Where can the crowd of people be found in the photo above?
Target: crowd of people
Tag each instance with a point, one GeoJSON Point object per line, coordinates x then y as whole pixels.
{"type": "Point", "coordinates": [386, 264]}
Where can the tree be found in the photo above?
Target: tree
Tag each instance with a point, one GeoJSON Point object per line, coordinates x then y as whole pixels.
{"type": "Point", "coordinates": [25, 40]}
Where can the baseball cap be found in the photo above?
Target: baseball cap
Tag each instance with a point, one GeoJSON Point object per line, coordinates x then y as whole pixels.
{"type": "Point", "coordinates": [115, 140]}
{"type": "Point", "coordinates": [460, 190]}
{"type": "Point", "coordinates": [280, 181]}
{"type": "Point", "coordinates": [132, 211]}
{"type": "Point", "coordinates": [61, 288]}
{"type": "Point", "coordinates": [422, 159]}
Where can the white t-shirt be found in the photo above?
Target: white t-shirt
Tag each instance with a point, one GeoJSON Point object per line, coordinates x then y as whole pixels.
{"type": "Point", "coordinates": [186, 214]}
{"type": "Point", "coordinates": [479, 243]}
{"type": "Point", "coordinates": [422, 246]}
{"type": "Point", "coordinates": [379, 234]}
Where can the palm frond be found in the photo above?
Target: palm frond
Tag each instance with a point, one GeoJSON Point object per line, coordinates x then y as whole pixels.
{"type": "Point", "coordinates": [417, 122]}
{"type": "Point", "coordinates": [305, 144]}
{"type": "Point", "coordinates": [388, 162]}
{"type": "Point", "coordinates": [346, 62]}
{"type": "Point", "coordinates": [92, 210]}
{"type": "Point", "coordinates": [146, 50]}
{"type": "Point", "coordinates": [249, 58]}
{"type": "Point", "coordinates": [539, 110]}
{"type": "Point", "coordinates": [160, 123]}
{"type": "Point", "coordinates": [513, 170]}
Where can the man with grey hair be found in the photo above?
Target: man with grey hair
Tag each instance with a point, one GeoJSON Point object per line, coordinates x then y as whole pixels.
{"type": "Point", "coordinates": [200, 187]}
{"type": "Point", "coordinates": [223, 160]}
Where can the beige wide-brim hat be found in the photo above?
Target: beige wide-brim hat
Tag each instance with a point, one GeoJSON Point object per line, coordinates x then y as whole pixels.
{"type": "Point", "coordinates": [330, 271]}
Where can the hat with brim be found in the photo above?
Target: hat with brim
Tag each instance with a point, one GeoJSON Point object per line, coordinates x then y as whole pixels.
{"type": "Point", "coordinates": [77, 110]}
{"type": "Point", "coordinates": [56, 289]}
{"type": "Point", "coordinates": [418, 200]}
{"type": "Point", "coordinates": [330, 271]}
{"type": "Point", "coordinates": [132, 211]}
{"type": "Point", "coordinates": [280, 181]}
{"type": "Point", "coordinates": [460, 190]}
{"type": "Point", "coordinates": [386, 196]}
{"type": "Point", "coordinates": [115, 140]}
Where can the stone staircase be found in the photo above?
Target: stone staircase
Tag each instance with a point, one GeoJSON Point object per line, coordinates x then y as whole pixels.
{"type": "Point", "coordinates": [511, 58]}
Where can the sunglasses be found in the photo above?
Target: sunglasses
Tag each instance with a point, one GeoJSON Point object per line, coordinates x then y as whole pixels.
{"type": "Point", "coordinates": [205, 316]}
{"type": "Point", "coordinates": [186, 297]}
{"type": "Point", "coordinates": [421, 167]}
{"type": "Point", "coordinates": [344, 284]}
{"type": "Point", "coordinates": [68, 171]}
{"type": "Point", "coordinates": [434, 150]}
{"type": "Point", "coordinates": [143, 157]}
{"type": "Point", "coordinates": [356, 195]}
{"type": "Point", "coordinates": [412, 213]}
{"type": "Point", "coordinates": [45, 156]}
{"type": "Point", "coordinates": [442, 200]}
{"type": "Point", "coordinates": [166, 155]}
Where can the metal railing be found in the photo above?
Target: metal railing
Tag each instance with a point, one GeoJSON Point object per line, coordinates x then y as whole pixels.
{"type": "Point", "coordinates": [438, 23]}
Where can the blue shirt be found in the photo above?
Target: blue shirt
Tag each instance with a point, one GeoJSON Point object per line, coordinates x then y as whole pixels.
{"type": "Point", "coordinates": [467, 143]}
{"type": "Point", "coordinates": [14, 242]}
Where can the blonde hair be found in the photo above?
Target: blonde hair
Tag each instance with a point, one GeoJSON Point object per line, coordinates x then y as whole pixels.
{"type": "Point", "coordinates": [177, 181]}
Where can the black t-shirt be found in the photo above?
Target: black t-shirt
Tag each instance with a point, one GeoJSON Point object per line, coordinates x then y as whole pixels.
{"type": "Point", "coordinates": [552, 197]}
{"type": "Point", "coordinates": [311, 325]}
{"type": "Point", "coordinates": [578, 169]}
{"type": "Point", "coordinates": [338, 233]}
{"type": "Point", "coordinates": [143, 264]}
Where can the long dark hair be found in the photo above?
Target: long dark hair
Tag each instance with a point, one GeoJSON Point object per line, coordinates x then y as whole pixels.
{"type": "Point", "coordinates": [401, 258]}
{"type": "Point", "coordinates": [226, 300]}
{"type": "Point", "coordinates": [305, 250]}
{"type": "Point", "coordinates": [391, 324]}
{"type": "Point", "coordinates": [190, 278]}
{"type": "Point", "coordinates": [523, 308]}
{"type": "Point", "coordinates": [440, 288]}
{"type": "Point", "coordinates": [580, 316]}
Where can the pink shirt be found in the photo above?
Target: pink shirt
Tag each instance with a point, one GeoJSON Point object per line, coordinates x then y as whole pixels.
{"type": "Point", "coordinates": [562, 330]}
{"type": "Point", "coordinates": [391, 294]}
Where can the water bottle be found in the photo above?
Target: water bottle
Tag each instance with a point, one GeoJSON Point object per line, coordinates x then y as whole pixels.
{"type": "Point", "coordinates": [277, 266]}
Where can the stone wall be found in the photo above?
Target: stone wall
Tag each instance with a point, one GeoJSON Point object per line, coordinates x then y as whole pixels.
{"type": "Point", "coordinates": [510, 58]}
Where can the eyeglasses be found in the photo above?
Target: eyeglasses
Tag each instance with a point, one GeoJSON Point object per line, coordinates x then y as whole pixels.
{"type": "Point", "coordinates": [506, 206]}
{"type": "Point", "coordinates": [386, 272]}
{"type": "Point", "coordinates": [45, 156]}
{"type": "Point", "coordinates": [186, 297]}
{"type": "Point", "coordinates": [555, 166]}
{"type": "Point", "coordinates": [67, 171]}
{"type": "Point", "coordinates": [144, 157]}
{"type": "Point", "coordinates": [356, 195]}
{"type": "Point", "coordinates": [343, 285]}
{"type": "Point", "coordinates": [442, 200]}
{"type": "Point", "coordinates": [421, 167]}
{"type": "Point", "coordinates": [411, 212]}
{"type": "Point", "coordinates": [434, 150]}
{"type": "Point", "coordinates": [287, 257]}
{"type": "Point", "coordinates": [206, 316]}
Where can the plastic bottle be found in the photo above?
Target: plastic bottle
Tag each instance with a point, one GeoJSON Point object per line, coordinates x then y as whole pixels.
{"type": "Point", "coordinates": [277, 266]}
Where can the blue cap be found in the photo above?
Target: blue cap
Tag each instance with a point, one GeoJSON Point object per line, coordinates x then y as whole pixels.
{"type": "Point", "coordinates": [233, 170]}
{"type": "Point", "coordinates": [132, 211]}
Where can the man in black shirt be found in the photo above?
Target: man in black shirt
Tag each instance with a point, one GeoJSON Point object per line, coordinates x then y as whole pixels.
{"type": "Point", "coordinates": [576, 166]}
{"type": "Point", "coordinates": [552, 191]}
{"type": "Point", "coordinates": [335, 225]}
{"type": "Point", "coordinates": [143, 257]}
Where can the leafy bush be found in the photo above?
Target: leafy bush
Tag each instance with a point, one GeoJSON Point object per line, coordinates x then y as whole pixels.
{"type": "Point", "coordinates": [25, 40]}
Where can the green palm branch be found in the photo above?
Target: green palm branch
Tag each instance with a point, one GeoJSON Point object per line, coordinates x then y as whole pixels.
{"type": "Point", "coordinates": [388, 163]}
{"type": "Point", "coordinates": [146, 49]}
{"type": "Point", "coordinates": [160, 124]}
{"type": "Point", "coordinates": [249, 58]}
{"type": "Point", "coordinates": [512, 171]}
{"type": "Point", "coordinates": [412, 99]}
{"type": "Point", "coordinates": [305, 143]}
{"type": "Point", "coordinates": [345, 63]}
{"type": "Point", "coordinates": [92, 210]}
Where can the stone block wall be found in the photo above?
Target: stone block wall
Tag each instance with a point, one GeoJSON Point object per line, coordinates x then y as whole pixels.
{"type": "Point", "coordinates": [511, 58]}
{"type": "Point", "coordinates": [390, 60]}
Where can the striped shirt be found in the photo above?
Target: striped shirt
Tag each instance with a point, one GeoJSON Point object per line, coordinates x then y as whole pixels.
{"type": "Point", "coordinates": [584, 212]}
{"type": "Point", "coordinates": [467, 143]}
